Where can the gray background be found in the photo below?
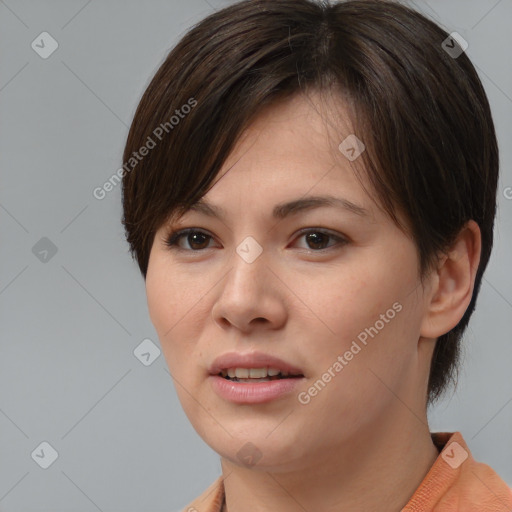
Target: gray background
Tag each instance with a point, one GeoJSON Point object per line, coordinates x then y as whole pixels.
{"type": "Point", "coordinates": [70, 324]}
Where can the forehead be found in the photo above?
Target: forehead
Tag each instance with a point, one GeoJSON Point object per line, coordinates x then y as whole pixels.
{"type": "Point", "coordinates": [313, 122]}
{"type": "Point", "coordinates": [292, 148]}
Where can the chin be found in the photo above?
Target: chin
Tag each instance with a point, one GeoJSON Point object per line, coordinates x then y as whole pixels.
{"type": "Point", "coordinates": [254, 446]}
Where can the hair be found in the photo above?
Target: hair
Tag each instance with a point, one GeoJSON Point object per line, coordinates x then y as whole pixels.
{"type": "Point", "coordinates": [431, 149]}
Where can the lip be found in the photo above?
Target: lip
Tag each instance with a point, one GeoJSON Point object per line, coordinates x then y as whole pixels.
{"type": "Point", "coordinates": [257, 393]}
{"type": "Point", "coordinates": [251, 360]}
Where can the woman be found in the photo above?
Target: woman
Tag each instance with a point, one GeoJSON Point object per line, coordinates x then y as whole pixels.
{"type": "Point", "coordinates": [309, 192]}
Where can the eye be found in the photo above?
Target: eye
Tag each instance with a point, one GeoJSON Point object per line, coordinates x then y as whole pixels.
{"type": "Point", "coordinates": [194, 237]}
{"type": "Point", "coordinates": [318, 237]}
{"type": "Point", "coordinates": [197, 239]}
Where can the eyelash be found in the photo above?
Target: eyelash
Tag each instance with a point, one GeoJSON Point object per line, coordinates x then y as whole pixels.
{"type": "Point", "coordinates": [172, 239]}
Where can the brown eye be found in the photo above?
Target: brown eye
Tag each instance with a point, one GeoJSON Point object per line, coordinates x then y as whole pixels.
{"type": "Point", "coordinates": [317, 240]}
{"type": "Point", "coordinates": [196, 239]}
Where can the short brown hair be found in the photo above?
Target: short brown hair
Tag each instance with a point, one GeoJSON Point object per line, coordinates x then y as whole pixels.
{"type": "Point", "coordinates": [431, 149]}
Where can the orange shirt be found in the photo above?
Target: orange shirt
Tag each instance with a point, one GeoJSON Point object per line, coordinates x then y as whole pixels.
{"type": "Point", "coordinates": [454, 483]}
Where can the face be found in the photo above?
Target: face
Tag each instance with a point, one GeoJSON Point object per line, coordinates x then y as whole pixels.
{"type": "Point", "coordinates": [331, 290]}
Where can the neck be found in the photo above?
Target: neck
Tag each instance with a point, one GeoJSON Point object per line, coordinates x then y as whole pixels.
{"type": "Point", "coordinates": [377, 470]}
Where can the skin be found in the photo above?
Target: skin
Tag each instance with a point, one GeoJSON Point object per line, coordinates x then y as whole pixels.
{"type": "Point", "coordinates": [363, 442]}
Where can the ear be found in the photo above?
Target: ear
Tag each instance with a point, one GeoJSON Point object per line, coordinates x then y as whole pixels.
{"type": "Point", "coordinates": [453, 283]}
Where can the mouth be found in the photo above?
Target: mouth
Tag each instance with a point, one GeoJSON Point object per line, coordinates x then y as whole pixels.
{"type": "Point", "coordinates": [253, 366]}
{"type": "Point", "coordinates": [254, 375]}
{"type": "Point", "coordinates": [253, 379]}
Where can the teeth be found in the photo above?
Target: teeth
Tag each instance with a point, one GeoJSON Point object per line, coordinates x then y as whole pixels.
{"type": "Point", "coordinates": [257, 373]}
{"type": "Point", "coordinates": [252, 373]}
{"type": "Point", "coordinates": [242, 373]}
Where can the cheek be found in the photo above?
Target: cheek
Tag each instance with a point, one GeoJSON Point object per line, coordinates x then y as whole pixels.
{"type": "Point", "coordinates": [170, 294]}
{"type": "Point", "coordinates": [166, 305]}
{"type": "Point", "coordinates": [177, 313]}
{"type": "Point", "coordinates": [159, 294]}
{"type": "Point", "coordinates": [372, 303]}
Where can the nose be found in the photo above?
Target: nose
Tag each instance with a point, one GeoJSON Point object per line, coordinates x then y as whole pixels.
{"type": "Point", "coordinates": [250, 296]}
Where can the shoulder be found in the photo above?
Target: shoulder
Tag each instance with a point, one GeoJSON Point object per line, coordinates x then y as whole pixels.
{"type": "Point", "coordinates": [210, 500]}
{"type": "Point", "coordinates": [458, 483]}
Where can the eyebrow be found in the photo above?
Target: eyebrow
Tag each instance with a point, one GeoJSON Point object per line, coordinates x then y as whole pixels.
{"type": "Point", "coordinates": [283, 210]}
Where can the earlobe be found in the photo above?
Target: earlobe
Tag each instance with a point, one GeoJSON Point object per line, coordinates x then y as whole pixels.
{"type": "Point", "coordinates": [453, 283]}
